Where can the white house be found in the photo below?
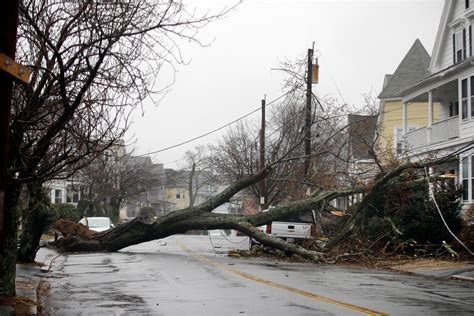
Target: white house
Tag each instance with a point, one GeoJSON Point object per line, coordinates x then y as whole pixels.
{"type": "Point", "coordinates": [450, 84]}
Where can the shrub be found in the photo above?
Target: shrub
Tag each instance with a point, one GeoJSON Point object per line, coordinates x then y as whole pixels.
{"type": "Point", "coordinates": [67, 211]}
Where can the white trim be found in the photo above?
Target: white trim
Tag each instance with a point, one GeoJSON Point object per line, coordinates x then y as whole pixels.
{"type": "Point", "coordinates": [447, 9]}
{"type": "Point", "coordinates": [469, 14]}
{"type": "Point", "coordinates": [456, 25]}
{"type": "Point", "coordinates": [440, 82]}
{"type": "Point", "coordinates": [391, 99]}
{"type": "Point", "coordinates": [445, 145]}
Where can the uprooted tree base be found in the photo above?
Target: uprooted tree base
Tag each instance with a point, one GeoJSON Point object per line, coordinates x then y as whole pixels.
{"type": "Point", "coordinates": [200, 217]}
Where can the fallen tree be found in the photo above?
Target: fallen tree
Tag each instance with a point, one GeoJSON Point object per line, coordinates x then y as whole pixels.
{"type": "Point", "coordinates": [201, 217]}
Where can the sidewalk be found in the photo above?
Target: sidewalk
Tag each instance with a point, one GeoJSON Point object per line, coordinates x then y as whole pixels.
{"type": "Point", "coordinates": [439, 269]}
{"type": "Point", "coordinates": [28, 277]}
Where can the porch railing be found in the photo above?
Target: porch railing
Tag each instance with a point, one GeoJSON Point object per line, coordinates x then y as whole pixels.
{"type": "Point", "coordinates": [445, 129]}
{"type": "Point", "coordinates": [438, 132]}
{"type": "Point", "coordinates": [417, 138]}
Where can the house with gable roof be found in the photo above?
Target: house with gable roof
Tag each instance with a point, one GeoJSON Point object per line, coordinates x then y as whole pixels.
{"type": "Point", "coordinates": [449, 83]}
{"type": "Point", "coordinates": [413, 68]}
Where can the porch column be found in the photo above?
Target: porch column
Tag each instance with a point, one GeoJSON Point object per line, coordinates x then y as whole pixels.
{"type": "Point", "coordinates": [430, 116]}
{"type": "Point", "coordinates": [404, 118]}
{"type": "Point", "coordinates": [430, 107]}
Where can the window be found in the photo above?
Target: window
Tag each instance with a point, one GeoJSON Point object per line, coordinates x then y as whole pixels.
{"type": "Point", "coordinates": [464, 98]}
{"type": "Point", "coordinates": [470, 40]}
{"type": "Point", "coordinates": [453, 109]}
{"type": "Point", "coordinates": [178, 194]}
{"type": "Point", "coordinates": [399, 138]}
{"type": "Point", "coordinates": [459, 46]}
{"type": "Point", "coordinates": [465, 179]}
{"type": "Point", "coordinates": [58, 196]}
{"type": "Point", "coordinates": [472, 95]}
{"type": "Point", "coordinates": [472, 177]}
{"type": "Point", "coordinates": [72, 195]}
{"type": "Point", "coordinates": [467, 4]}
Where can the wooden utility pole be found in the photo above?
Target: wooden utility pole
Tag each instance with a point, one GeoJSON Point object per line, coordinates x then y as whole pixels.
{"type": "Point", "coordinates": [308, 112]}
{"type": "Point", "coordinates": [8, 32]}
{"type": "Point", "coordinates": [263, 184]}
{"type": "Point", "coordinates": [9, 70]}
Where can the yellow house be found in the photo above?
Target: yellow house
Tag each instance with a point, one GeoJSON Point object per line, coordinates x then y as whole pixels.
{"type": "Point", "coordinates": [179, 196]}
{"type": "Point", "coordinates": [412, 69]}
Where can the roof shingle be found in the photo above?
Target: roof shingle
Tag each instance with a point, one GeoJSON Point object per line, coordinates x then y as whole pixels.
{"type": "Point", "coordinates": [413, 68]}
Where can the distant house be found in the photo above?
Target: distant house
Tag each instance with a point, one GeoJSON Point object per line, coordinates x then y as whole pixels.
{"type": "Point", "coordinates": [449, 83]}
{"type": "Point", "coordinates": [362, 132]}
{"type": "Point", "coordinates": [359, 166]}
{"type": "Point", "coordinates": [71, 190]}
{"type": "Point", "coordinates": [150, 191]}
{"type": "Point", "coordinates": [176, 189]}
{"type": "Point", "coordinates": [413, 68]}
{"type": "Point", "coordinates": [183, 185]}
{"type": "Point", "coordinates": [64, 191]}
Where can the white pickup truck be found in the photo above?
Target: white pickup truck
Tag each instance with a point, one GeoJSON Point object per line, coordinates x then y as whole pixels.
{"type": "Point", "coordinates": [288, 230]}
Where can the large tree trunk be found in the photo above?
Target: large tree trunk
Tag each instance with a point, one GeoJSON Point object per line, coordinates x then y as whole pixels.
{"type": "Point", "coordinates": [201, 218]}
{"type": "Point", "coordinates": [37, 216]}
{"type": "Point", "coordinates": [8, 245]}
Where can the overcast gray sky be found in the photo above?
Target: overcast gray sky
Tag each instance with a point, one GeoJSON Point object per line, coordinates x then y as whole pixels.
{"type": "Point", "coordinates": [359, 42]}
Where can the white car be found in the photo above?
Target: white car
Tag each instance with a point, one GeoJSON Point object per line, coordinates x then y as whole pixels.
{"type": "Point", "coordinates": [98, 224]}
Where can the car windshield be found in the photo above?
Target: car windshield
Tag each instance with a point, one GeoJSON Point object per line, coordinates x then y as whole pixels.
{"type": "Point", "coordinates": [98, 222]}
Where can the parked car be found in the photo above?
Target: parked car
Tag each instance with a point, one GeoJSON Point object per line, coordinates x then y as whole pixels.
{"type": "Point", "coordinates": [98, 224]}
{"type": "Point", "coordinates": [298, 227]}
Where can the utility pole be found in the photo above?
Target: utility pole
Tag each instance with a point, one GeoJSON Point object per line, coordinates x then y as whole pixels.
{"type": "Point", "coordinates": [263, 186]}
{"type": "Point", "coordinates": [309, 94]}
{"type": "Point", "coordinates": [8, 71]}
{"type": "Point", "coordinates": [8, 27]}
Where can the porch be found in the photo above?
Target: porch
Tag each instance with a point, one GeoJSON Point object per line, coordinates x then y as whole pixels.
{"type": "Point", "coordinates": [440, 131]}
{"type": "Point", "coordinates": [449, 114]}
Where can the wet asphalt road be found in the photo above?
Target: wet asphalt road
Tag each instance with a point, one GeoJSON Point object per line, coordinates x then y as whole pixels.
{"type": "Point", "coordinates": [185, 275]}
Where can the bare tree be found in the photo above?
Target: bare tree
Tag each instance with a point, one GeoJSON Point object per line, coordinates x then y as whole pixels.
{"type": "Point", "coordinates": [111, 181]}
{"type": "Point", "coordinates": [91, 63]}
{"type": "Point", "coordinates": [197, 173]}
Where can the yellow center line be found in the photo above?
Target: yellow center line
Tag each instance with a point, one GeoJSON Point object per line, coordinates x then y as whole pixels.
{"type": "Point", "coordinates": [360, 309]}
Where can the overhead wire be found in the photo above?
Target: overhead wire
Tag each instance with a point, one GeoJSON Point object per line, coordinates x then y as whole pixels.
{"type": "Point", "coordinates": [332, 78]}
{"type": "Point", "coordinates": [432, 197]}
{"type": "Point", "coordinates": [213, 131]}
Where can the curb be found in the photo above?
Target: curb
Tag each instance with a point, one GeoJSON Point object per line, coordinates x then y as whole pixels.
{"type": "Point", "coordinates": [48, 261]}
{"type": "Point", "coordinates": [461, 277]}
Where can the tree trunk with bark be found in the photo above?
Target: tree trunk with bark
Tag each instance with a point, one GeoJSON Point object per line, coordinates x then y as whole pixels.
{"type": "Point", "coordinates": [37, 217]}
{"type": "Point", "coordinates": [200, 218]}
{"type": "Point", "coordinates": [8, 247]}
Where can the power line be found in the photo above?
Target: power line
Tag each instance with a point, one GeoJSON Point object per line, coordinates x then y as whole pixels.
{"type": "Point", "coordinates": [213, 131]}
{"type": "Point", "coordinates": [332, 78]}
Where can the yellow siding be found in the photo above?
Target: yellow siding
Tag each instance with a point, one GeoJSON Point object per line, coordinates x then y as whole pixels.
{"type": "Point", "coordinates": [392, 118]}
{"type": "Point", "coordinates": [182, 201]}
